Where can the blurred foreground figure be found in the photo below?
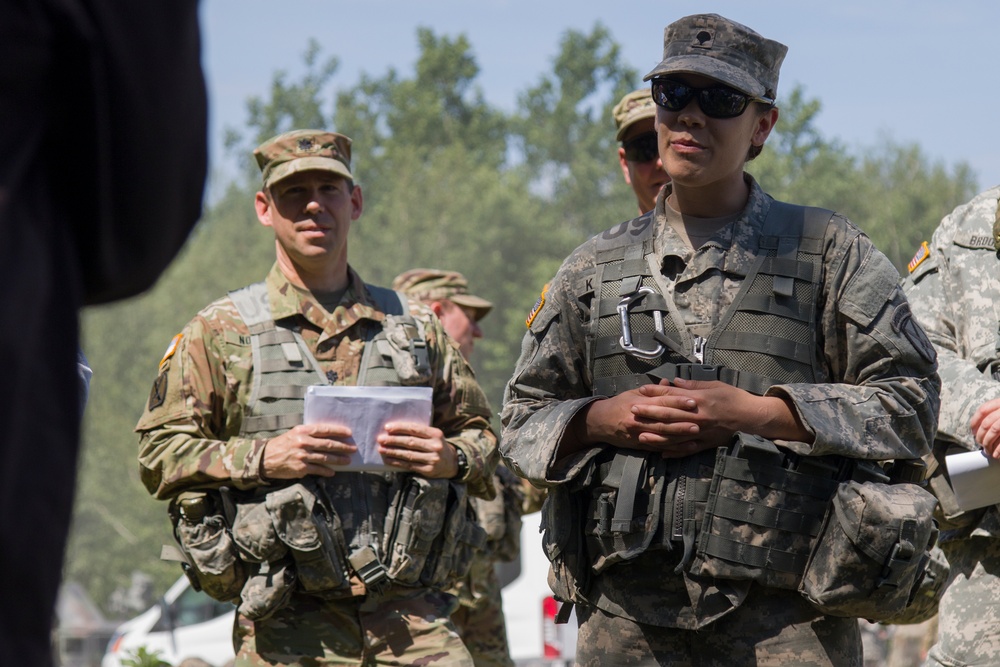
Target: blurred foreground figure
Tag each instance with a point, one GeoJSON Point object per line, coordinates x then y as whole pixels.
{"type": "Point", "coordinates": [103, 129]}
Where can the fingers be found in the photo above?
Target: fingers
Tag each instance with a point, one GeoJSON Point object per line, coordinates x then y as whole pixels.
{"type": "Point", "coordinates": [986, 427]}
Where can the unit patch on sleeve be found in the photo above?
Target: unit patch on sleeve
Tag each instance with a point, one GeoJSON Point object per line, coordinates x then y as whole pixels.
{"type": "Point", "coordinates": [158, 394]}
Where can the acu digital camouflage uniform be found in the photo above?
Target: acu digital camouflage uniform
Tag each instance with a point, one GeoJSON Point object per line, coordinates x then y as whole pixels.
{"type": "Point", "coordinates": [876, 399]}
{"type": "Point", "coordinates": [479, 616]}
{"type": "Point", "coordinates": [190, 439]}
{"type": "Point", "coordinates": [954, 287]}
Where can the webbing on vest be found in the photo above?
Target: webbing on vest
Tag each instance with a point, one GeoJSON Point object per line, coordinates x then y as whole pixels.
{"type": "Point", "coordinates": [766, 337]}
{"type": "Point", "coordinates": [284, 366]}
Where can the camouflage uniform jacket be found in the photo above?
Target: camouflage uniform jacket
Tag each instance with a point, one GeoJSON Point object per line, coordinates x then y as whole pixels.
{"type": "Point", "coordinates": [189, 432]}
{"type": "Point", "coordinates": [878, 401]}
{"type": "Point", "coordinates": [955, 292]}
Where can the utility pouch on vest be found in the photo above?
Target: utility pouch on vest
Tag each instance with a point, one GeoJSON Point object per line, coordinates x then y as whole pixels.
{"type": "Point", "coordinates": [314, 537]}
{"type": "Point", "coordinates": [460, 539]}
{"type": "Point", "coordinates": [209, 555]}
{"type": "Point", "coordinates": [625, 507]}
{"type": "Point", "coordinates": [873, 550]}
{"type": "Point", "coordinates": [267, 590]}
{"type": "Point", "coordinates": [928, 592]}
{"type": "Point", "coordinates": [564, 544]}
{"type": "Point", "coordinates": [501, 517]}
{"type": "Point", "coordinates": [765, 510]}
{"type": "Point", "coordinates": [430, 532]}
{"type": "Point", "coordinates": [404, 343]}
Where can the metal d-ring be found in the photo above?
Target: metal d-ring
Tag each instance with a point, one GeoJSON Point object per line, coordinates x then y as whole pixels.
{"type": "Point", "coordinates": [626, 340]}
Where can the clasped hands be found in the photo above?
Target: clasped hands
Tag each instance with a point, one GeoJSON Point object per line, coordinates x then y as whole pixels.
{"type": "Point", "coordinates": [683, 417]}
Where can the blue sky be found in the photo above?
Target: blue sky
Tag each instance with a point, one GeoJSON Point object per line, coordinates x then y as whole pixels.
{"type": "Point", "coordinates": [919, 71]}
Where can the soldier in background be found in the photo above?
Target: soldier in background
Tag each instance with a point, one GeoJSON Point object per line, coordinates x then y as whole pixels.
{"type": "Point", "coordinates": [657, 343]}
{"type": "Point", "coordinates": [638, 154]}
{"type": "Point", "coordinates": [331, 567]}
{"type": "Point", "coordinates": [479, 617]}
{"type": "Point", "coordinates": [954, 287]}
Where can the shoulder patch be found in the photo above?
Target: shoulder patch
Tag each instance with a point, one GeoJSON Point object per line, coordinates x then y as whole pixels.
{"type": "Point", "coordinates": [158, 394]}
{"type": "Point", "coordinates": [174, 342]}
{"type": "Point", "coordinates": [537, 307]}
{"type": "Point", "coordinates": [903, 322]}
{"type": "Point", "coordinates": [922, 253]}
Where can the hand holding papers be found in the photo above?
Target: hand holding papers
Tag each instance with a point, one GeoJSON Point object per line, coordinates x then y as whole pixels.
{"type": "Point", "coordinates": [366, 411]}
{"type": "Point", "coordinates": [975, 478]}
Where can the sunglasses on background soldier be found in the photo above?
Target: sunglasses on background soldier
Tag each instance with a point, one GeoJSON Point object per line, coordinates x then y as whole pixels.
{"type": "Point", "coordinates": [717, 101]}
{"type": "Point", "coordinates": [642, 148]}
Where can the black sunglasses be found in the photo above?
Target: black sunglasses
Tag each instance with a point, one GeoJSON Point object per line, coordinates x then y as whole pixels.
{"type": "Point", "coordinates": [718, 101]}
{"type": "Point", "coordinates": [642, 148]}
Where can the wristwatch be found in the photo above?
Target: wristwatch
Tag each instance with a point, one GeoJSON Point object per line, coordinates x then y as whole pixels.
{"type": "Point", "coordinates": [462, 463]}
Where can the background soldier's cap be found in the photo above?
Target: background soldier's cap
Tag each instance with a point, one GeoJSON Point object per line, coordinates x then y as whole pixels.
{"type": "Point", "coordinates": [303, 150]}
{"type": "Point", "coordinates": [436, 285]}
{"type": "Point", "coordinates": [632, 108]}
{"type": "Point", "coordinates": [724, 50]}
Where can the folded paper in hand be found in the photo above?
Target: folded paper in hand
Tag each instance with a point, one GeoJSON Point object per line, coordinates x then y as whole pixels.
{"type": "Point", "coordinates": [975, 478]}
{"type": "Point", "coordinates": [366, 411]}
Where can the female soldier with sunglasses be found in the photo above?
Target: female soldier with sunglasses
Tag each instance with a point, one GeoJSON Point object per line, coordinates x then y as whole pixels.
{"type": "Point", "coordinates": [720, 317]}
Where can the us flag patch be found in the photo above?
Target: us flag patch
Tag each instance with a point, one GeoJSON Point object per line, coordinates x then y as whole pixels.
{"type": "Point", "coordinates": [537, 307]}
{"type": "Point", "coordinates": [922, 253]}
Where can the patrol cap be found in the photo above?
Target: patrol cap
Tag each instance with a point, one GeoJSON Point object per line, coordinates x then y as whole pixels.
{"type": "Point", "coordinates": [724, 50]}
{"type": "Point", "coordinates": [438, 285]}
{"type": "Point", "coordinates": [635, 106]}
{"type": "Point", "coordinates": [303, 150]}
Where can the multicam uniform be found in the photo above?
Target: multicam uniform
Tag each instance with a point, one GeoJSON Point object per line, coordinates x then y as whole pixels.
{"type": "Point", "coordinates": [479, 617]}
{"type": "Point", "coordinates": [875, 397]}
{"type": "Point", "coordinates": [190, 439]}
{"type": "Point", "coordinates": [954, 286]}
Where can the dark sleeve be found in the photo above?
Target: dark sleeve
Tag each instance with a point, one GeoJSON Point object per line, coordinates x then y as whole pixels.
{"type": "Point", "coordinates": [128, 137]}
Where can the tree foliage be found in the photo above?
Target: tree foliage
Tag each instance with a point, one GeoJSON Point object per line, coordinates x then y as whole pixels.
{"type": "Point", "coordinates": [449, 181]}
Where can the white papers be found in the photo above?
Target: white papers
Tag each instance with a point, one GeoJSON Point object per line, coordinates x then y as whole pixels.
{"type": "Point", "coordinates": [975, 477]}
{"type": "Point", "coordinates": [366, 411]}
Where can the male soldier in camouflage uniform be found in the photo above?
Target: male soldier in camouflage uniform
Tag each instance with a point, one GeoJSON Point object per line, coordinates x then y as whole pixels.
{"type": "Point", "coordinates": [613, 404]}
{"type": "Point", "coordinates": [637, 155]}
{"type": "Point", "coordinates": [203, 429]}
{"type": "Point", "coordinates": [479, 616]}
{"type": "Point", "coordinates": [954, 286]}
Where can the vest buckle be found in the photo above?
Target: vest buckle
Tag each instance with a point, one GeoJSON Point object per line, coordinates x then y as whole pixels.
{"type": "Point", "coordinates": [625, 341]}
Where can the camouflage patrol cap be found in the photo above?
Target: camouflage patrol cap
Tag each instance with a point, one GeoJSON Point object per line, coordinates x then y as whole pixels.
{"type": "Point", "coordinates": [303, 150]}
{"type": "Point", "coordinates": [637, 105]}
{"type": "Point", "coordinates": [727, 51]}
{"type": "Point", "coordinates": [437, 285]}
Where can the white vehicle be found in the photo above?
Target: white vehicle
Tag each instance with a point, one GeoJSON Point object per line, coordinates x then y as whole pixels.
{"type": "Point", "coordinates": [195, 626]}
{"type": "Point", "coordinates": [199, 627]}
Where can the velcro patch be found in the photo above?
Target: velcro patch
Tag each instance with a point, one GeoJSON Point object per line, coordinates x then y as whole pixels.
{"type": "Point", "coordinates": [174, 342]}
{"type": "Point", "coordinates": [537, 307]}
{"type": "Point", "coordinates": [158, 394]}
{"type": "Point", "coordinates": [903, 322]}
{"type": "Point", "coordinates": [922, 253]}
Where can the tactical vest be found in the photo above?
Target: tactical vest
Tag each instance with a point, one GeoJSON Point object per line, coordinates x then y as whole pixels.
{"type": "Point", "coordinates": [314, 534]}
{"type": "Point", "coordinates": [639, 501]}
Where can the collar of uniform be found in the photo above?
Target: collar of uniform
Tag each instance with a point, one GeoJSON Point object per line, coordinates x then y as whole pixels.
{"type": "Point", "coordinates": [747, 230]}
{"type": "Point", "coordinates": [739, 240]}
{"type": "Point", "coordinates": [287, 300]}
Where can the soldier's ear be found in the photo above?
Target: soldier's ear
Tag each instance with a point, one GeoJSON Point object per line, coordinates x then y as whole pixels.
{"type": "Point", "coordinates": [262, 204]}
